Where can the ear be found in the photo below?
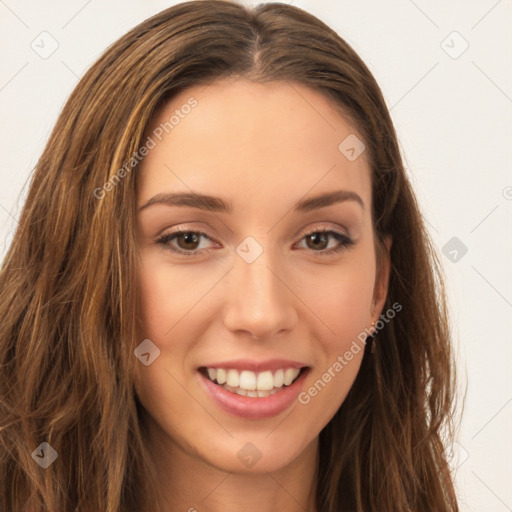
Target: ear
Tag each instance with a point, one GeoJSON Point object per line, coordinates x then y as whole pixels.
{"type": "Point", "coordinates": [380, 290]}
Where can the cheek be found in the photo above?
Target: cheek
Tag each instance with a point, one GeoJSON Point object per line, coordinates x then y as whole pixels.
{"type": "Point", "coordinates": [164, 303]}
{"type": "Point", "coordinates": [343, 303]}
{"type": "Point", "coordinates": [338, 296]}
{"type": "Point", "coordinates": [167, 295]}
{"type": "Point", "coordinates": [342, 297]}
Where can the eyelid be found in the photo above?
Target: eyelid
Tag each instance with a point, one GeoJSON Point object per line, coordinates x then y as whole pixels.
{"type": "Point", "coordinates": [184, 228]}
{"type": "Point", "coordinates": [172, 234]}
{"type": "Point", "coordinates": [344, 240]}
{"type": "Point", "coordinates": [322, 227]}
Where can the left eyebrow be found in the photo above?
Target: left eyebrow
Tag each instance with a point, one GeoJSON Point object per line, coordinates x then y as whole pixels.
{"type": "Point", "coordinates": [328, 199]}
{"type": "Point", "coordinates": [216, 204]}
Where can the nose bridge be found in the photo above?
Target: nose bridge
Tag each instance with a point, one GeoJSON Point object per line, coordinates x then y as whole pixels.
{"type": "Point", "coordinates": [258, 301]}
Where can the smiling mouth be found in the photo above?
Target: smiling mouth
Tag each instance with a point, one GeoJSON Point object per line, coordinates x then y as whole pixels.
{"type": "Point", "coordinates": [252, 384]}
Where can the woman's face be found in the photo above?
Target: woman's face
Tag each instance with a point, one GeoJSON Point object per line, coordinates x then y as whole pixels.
{"type": "Point", "coordinates": [266, 295]}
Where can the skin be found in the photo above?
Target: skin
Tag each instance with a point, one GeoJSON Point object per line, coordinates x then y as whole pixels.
{"type": "Point", "coordinates": [262, 147]}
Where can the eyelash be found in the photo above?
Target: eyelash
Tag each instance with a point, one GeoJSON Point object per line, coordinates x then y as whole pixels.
{"type": "Point", "coordinates": [345, 242]}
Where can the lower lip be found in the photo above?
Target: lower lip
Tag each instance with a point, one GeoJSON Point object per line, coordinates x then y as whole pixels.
{"type": "Point", "coordinates": [254, 407]}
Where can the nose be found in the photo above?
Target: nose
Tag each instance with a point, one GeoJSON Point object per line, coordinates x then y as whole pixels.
{"type": "Point", "coordinates": [260, 299]}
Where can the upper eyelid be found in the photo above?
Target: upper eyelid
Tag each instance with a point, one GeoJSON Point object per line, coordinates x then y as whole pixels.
{"type": "Point", "coordinates": [202, 233]}
{"type": "Point", "coordinates": [304, 233]}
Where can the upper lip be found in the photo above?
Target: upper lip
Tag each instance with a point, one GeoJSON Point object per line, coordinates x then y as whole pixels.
{"type": "Point", "coordinates": [256, 366]}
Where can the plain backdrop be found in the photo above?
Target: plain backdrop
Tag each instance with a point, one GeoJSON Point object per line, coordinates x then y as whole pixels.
{"type": "Point", "coordinates": [445, 70]}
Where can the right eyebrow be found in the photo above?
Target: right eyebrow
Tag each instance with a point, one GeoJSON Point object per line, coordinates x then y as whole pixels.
{"type": "Point", "coordinates": [216, 204]}
{"type": "Point", "coordinates": [193, 200]}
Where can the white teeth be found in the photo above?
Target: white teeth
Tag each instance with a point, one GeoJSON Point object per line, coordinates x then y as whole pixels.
{"type": "Point", "coordinates": [278, 378]}
{"type": "Point", "coordinates": [248, 381]}
{"type": "Point", "coordinates": [264, 393]}
{"type": "Point", "coordinates": [233, 378]}
{"type": "Point", "coordinates": [253, 384]}
{"type": "Point", "coordinates": [266, 381]}
{"type": "Point", "coordinates": [221, 376]}
{"type": "Point", "coordinates": [289, 375]}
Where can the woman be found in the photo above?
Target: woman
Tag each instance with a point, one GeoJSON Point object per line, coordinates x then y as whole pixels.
{"type": "Point", "coordinates": [221, 294]}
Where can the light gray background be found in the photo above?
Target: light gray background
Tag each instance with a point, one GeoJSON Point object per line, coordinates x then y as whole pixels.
{"type": "Point", "coordinates": [452, 112]}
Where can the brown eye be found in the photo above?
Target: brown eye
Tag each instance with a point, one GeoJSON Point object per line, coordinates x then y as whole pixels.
{"type": "Point", "coordinates": [190, 240]}
{"type": "Point", "coordinates": [184, 242]}
{"type": "Point", "coordinates": [318, 241]}
{"type": "Point", "coordinates": [187, 242]}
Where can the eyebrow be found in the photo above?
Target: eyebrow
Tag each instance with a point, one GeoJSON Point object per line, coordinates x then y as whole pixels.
{"type": "Point", "coordinates": [216, 204]}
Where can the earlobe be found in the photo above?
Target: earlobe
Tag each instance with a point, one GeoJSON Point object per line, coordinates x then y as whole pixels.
{"type": "Point", "coordinates": [382, 279]}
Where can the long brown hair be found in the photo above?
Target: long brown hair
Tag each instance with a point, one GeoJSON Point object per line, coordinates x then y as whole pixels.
{"type": "Point", "coordinates": [69, 287]}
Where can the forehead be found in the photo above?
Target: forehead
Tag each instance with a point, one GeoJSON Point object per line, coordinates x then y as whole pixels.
{"type": "Point", "coordinates": [244, 139]}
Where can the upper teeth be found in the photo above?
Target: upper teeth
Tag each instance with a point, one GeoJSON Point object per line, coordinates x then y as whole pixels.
{"type": "Point", "coordinates": [250, 381]}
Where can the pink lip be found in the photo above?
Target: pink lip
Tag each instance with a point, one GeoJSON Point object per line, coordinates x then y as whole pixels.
{"type": "Point", "coordinates": [254, 366]}
{"type": "Point", "coordinates": [254, 407]}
